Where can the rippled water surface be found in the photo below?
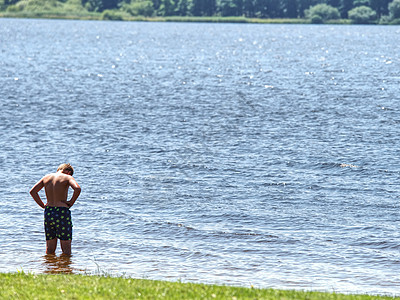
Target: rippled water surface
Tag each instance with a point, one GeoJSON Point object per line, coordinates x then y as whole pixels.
{"type": "Point", "coordinates": [263, 155]}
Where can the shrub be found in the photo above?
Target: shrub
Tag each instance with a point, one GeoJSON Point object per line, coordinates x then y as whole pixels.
{"type": "Point", "coordinates": [316, 19]}
{"type": "Point", "coordinates": [323, 11]}
{"type": "Point", "coordinates": [395, 22]}
{"type": "Point", "coordinates": [394, 9]}
{"type": "Point", "coordinates": [362, 15]}
{"type": "Point", "coordinates": [357, 3]}
{"type": "Point", "coordinates": [139, 8]}
{"type": "Point", "coordinates": [38, 5]}
{"type": "Point", "coordinates": [14, 8]}
{"type": "Point", "coordinates": [384, 20]}
{"type": "Point", "coordinates": [112, 15]}
{"type": "Point", "coordinates": [74, 6]}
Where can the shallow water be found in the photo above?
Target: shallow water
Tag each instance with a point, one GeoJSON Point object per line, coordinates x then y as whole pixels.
{"type": "Point", "coordinates": [263, 155]}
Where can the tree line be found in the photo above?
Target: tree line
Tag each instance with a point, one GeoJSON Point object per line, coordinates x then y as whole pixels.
{"type": "Point", "coordinates": [360, 11]}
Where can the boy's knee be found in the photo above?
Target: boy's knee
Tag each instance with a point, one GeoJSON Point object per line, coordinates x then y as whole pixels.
{"type": "Point", "coordinates": [50, 250]}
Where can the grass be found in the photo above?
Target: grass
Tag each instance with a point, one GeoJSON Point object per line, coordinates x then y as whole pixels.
{"type": "Point", "coordinates": [29, 286]}
{"type": "Point", "coordinates": [121, 16]}
{"type": "Point", "coordinates": [233, 20]}
{"type": "Point", "coordinates": [51, 15]}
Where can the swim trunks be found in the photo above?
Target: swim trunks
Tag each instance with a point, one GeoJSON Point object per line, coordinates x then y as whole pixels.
{"type": "Point", "coordinates": [57, 223]}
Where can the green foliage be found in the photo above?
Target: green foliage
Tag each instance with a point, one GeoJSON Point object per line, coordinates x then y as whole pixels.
{"type": "Point", "coordinates": [205, 7]}
{"type": "Point", "coordinates": [113, 15]}
{"type": "Point", "coordinates": [393, 17]}
{"type": "Point", "coordinates": [36, 5]}
{"type": "Point", "coordinates": [380, 6]}
{"type": "Point", "coordinates": [74, 6]}
{"type": "Point", "coordinates": [315, 11]}
{"type": "Point", "coordinates": [25, 286]}
{"type": "Point", "coordinates": [362, 15]}
{"type": "Point", "coordinates": [110, 4]}
{"type": "Point", "coordinates": [215, 19]}
{"type": "Point", "coordinates": [228, 8]}
{"type": "Point", "coordinates": [14, 8]}
{"type": "Point", "coordinates": [345, 6]}
{"type": "Point", "coordinates": [51, 6]}
{"type": "Point", "coordinates": [384, 20]}
{"type": "Point", "coordinates": [167, 8]}
{"type": "Point", "coordinates": [322, 12]}
{"type": "Point", "coordinates": [183, 7]}
{"type": "Point", "coordinates": [5, 3]}
{"type": "Point", "coordinates": [316, 19]}
{"type": "Point", "coordinates": [357, 3]}
{"type": "Point", "coordinates": [139, 8]}
{"type": "Point", "coordinates": [394, 10]}
{"type": "Point", "coordinates": [93, 5]}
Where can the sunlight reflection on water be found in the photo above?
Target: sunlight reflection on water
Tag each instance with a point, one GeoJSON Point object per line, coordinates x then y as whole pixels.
{"type": "Point", "coordinates": [275, 163]}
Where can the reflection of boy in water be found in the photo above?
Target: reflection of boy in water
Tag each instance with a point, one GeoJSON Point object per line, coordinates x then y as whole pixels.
{"type": "Point", "coordinates": [58, 264]}
{"type": "Point", "coordinates": [57, 216]}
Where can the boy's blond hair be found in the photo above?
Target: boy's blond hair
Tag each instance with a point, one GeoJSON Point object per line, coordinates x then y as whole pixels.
{"type": "Point", "coordinates": [66, 167]}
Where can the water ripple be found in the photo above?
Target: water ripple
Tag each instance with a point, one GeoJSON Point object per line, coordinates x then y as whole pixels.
{"type": "Point", "coordinates": [251, 154]}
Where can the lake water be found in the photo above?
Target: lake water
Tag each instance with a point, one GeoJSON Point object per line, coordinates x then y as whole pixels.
{"type": "Point", "coordinates": [264, 155]}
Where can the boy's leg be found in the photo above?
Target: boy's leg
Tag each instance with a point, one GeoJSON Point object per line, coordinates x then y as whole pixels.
{"type": "Point", "coordinates": [66, 246]}
{"type": "Point", "coordinates": [51, 246]}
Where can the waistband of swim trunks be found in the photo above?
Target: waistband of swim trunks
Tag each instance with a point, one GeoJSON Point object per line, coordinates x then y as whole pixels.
{"type": "Point", "coordinates": [62, 207]}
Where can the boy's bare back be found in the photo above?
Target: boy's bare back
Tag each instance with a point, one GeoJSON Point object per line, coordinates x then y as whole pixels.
{"type": "Point", "coordinates": [56, 187]}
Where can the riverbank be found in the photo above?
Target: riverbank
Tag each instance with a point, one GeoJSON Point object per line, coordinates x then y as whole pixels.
{"type": "Point", "coordinates": [120, 16]}
{"type": "Point", "coordinates": [30, 286]}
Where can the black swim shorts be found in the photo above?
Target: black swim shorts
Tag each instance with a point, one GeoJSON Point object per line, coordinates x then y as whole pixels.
{"type": "Point", "coordinates": [57, 223]}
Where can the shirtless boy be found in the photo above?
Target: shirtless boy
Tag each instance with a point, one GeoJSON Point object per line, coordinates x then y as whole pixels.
{"type": "Point", "coordinates": [57, 216]}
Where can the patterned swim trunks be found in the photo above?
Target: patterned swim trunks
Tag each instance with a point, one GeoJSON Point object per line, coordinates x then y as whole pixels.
{"type": "Point", "coordinates": [57, 223]}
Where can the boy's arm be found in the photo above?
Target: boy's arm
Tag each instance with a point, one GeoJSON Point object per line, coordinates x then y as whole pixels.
{"type": "Point", "coordinates": [77, 190]}
{"type": "Point", "coordinates": [35, 193]}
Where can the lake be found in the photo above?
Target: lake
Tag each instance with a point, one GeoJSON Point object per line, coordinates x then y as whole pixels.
{"type": "Point", "coordinates": [237, 154]}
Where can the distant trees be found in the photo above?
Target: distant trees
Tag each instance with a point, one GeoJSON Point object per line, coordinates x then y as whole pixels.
{"type": "Point", "coordinates": [182, 7]}
{"type": "Point", "coordinates": [36, 5]}
{"type": "Point", "coordinates": [139, 8]}
{"type": "Point", "coordinates": [345, 6]}
{"type": "Point", "coordinates": [379, 6]}
{"type": "Point", "coordinates": [204, 7]}
{"type": "Point", "coordinates": [322, 12]}
{"type": "Point", "coordinates": [317, 11]}
{"type": "Point", "coordinates": [93, 5]}
{"type": "Point", "coordinates": [99, 5]}
{"type": "Point", "coordinates": [362, 15]}
{"type": "Point", "coordinates": [394, 9]}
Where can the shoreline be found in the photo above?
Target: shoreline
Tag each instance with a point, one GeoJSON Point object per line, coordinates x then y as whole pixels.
{"type": "Point", "coordinates": [68, 286]}
{"type": "Point", "coordinates": [115, 16]}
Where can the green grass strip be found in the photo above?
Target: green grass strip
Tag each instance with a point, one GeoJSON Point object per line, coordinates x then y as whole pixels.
{"type": "Point", "coordinates": [30, 286]}
{"type": "Point", "coordinates": [120, 16]}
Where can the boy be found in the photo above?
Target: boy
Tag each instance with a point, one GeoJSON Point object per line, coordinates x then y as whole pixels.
{"type": "Point", "coordinates": [57, 216]}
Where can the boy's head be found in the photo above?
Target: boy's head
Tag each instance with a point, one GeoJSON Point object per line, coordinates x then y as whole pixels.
{"type": "Point", "coordinates": [66, 167]}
